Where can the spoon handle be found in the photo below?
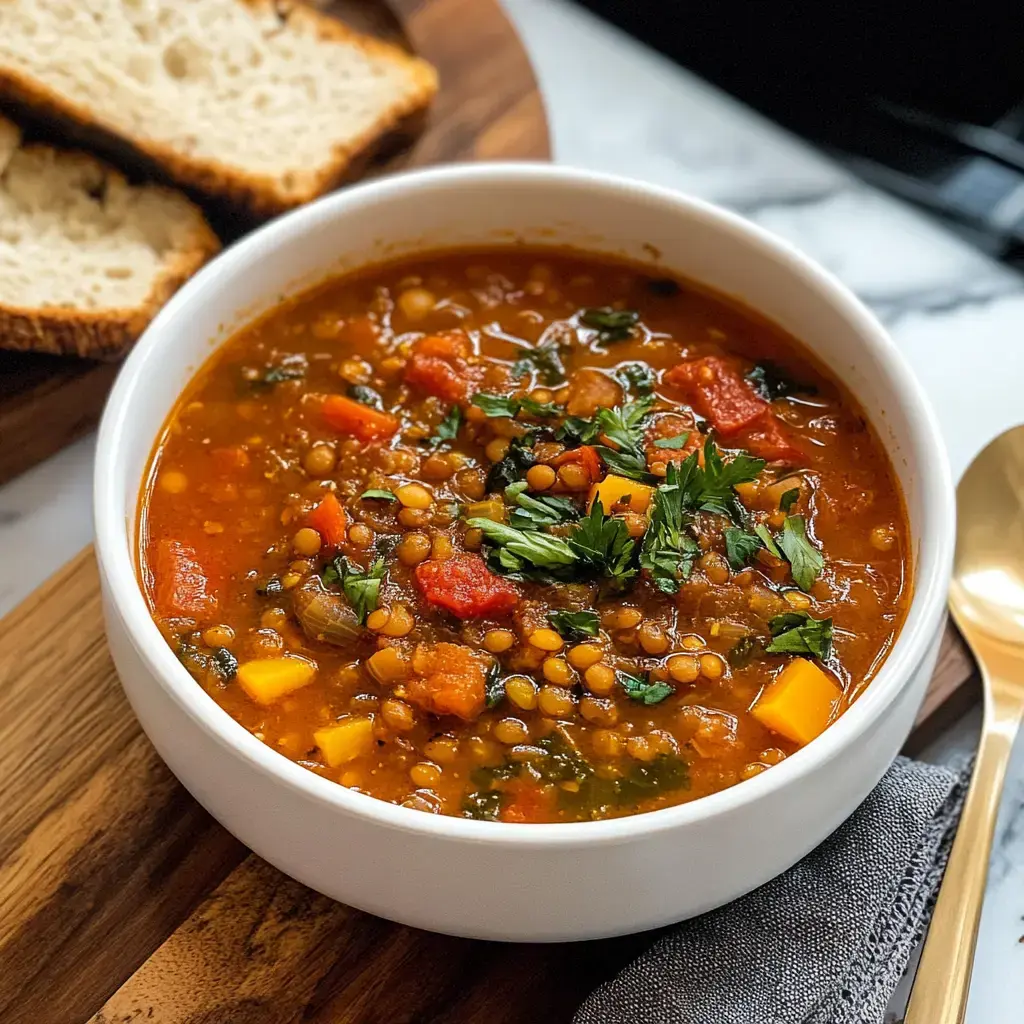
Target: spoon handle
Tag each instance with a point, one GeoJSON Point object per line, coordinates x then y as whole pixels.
{"type": "Point", "coordinates": [943, 977]}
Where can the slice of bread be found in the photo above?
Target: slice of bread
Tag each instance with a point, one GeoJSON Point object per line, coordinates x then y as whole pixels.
{"type": "Point", "coordinates": [265, 103]}
{"type": "Point", "coordinates": [86, 259]}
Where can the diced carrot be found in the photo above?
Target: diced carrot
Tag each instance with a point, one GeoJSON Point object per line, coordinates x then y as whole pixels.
{"type": "Point", "coordinates": [530, 803]}
{"type": "Point", "coordinates": [799, 703]}
{"type": "Point", "coordinates": [717, 390]}
{"type": "Point", "coordinates": [586, 456]}
{"type": "Point", "coordinates": [438, 366]}
{"type": "Point", "coordinates": [449, 680]}
{"type": "Point", "coordinates": [329, 520]}
{"type": "Point", "coordinates": [464, 586]}
{"type": "Point", "coordinates": [591, 390]}
{"type": "Point", "coordinates": [180, 584]}
{"type": "Point", "coordinates": [354, 419]}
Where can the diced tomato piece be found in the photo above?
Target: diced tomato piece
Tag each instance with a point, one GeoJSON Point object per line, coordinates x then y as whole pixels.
{"type": "Point", "coordinates": [449, 679]}
{"type": "Point", "coordinates": [438, 367]}
{"type": "Point", "coordinates": [180, 585]}
{"type": "Point", "coordinates": [717, 390]}
{"type": "Point", "coordinates": [530, 803]}
{"type": "Point", "coordinates": [464, 586]}
{"type": "Point", "coordinates": [329, 520]}
{"type": "Point", "coordinates": [587, 457]}
{"type": "Point", "coordinates": [768, 439]}
{"type": "Point", "coordinates": [354, 419]}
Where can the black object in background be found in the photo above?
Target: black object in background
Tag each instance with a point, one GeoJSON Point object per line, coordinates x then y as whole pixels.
{"type": "Point", "coordinates": [923, 99]}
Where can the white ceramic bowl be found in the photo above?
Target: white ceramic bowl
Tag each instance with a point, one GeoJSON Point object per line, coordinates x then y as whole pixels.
{"type": "Point", "coordinates": [495, 880]}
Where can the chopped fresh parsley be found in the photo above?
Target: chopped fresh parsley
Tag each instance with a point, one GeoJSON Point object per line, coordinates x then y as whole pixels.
{"type": "Point", "coordinates": [575, 626]}
{"type": "Point", "coordinates": [611, 324]}
{"type": "Point", "coordinates": [805, 560]}
{"type": "Point", "coordinates": [576, 431]}
{"type": "Point", "coordinates": [798, 633]}
{"type": "Point", "coordinates": [482, 804]}
{"type": "Point", "coordinates": [545, 360]}
{"type": "Point", "coordinates": [789, 499]}
{"type": "Point", "coordinates": [279, 374]}
{"type": "Point", "coordinates": [378, 494]}
{"type": "Point", "coordinates": [518, 459]}
{"type": "Point", "coordinates": [637, 379]}
{"type": "Point", "coordinates": [224, 662]}
{"type": "Point", "coordinates": [498, 405]}
{"type": "Point", "coordinates": [744, 651]}
{"type": "Point", "coordinates": [668, 550]}
{"type": "Point", "coordinates": [494, 685]}
{"type": "Point", "coordinates": [766, 538]}
{"type": "Point", "coordinates": [604, 545]}
{"type": "Point", "coordinates": [643, 690]}
{"type": "Point", "coordinates": [740, 546]}
{"type": "Point", "coordinates": [447, 429]}
{"type": "Point", "coordinates": [713, 487]}
{"type": "Point", "coordinates": [366, 396]}
{"type": "Point", "coordinates": [623, 426]}
{"type": "Point", "coordinates": [673, 443]}
{"type": "Point", "coordinates": [770, 381]}
{"type": "Point", "coordinates": [361, 587]}
{"type": "Point", "coordinates": [534, 512]}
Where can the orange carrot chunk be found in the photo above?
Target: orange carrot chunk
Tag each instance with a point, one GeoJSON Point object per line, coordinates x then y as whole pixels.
{"type": "Point", "coordinates": [353, 419]}
{"type": "Point", "coordinates": [181, 586]}
{"type": "Point", "coordinates": [449, 680]}
{"type": "Point", "coordinates": [329, 520]}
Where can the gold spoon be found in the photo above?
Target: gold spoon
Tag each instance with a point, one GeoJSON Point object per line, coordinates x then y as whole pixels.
{"type": "Point", "coordinates": [987, 601]}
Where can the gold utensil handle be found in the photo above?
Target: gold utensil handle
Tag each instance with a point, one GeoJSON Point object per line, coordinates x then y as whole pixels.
{"type": "Point", "coordinates": [943, 977]}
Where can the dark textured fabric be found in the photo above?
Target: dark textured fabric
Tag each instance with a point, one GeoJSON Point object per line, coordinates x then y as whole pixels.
{"type": "Point", "coordinates": [825, 943]}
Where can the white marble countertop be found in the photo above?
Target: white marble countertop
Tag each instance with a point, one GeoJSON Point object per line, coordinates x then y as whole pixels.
{"type": "Point", "coordinates": [615, 105]}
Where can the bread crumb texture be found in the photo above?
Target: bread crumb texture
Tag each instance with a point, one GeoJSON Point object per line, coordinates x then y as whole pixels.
{"type": "Point", "coordinates": [266, 103]}
{"type": "Point", "coordinates": [85, 258]}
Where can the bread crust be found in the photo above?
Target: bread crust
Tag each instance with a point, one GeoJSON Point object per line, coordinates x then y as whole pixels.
{"type": "Point", "coordinates": [107, 334]}
{"type": "Point", "coordinates": [260, 195]}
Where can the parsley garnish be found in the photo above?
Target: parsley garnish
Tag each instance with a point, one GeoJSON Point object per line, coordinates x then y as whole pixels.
{"type": "Point", "coordinates": [544, 360]}
{"type": "Point", "coordinates": [789, 499]}
{"type": "Point", "coordinates": [497, 405]}
{"type": "Point", "coordinates": [766, 538]}
{"type": "Point", "coordinates": [361, 587]}
{"type": "Point", "coordinates": [668, 551]}
{"type": "Point", "coordinates": [804, 558]}
{"type": "Point", "coordinates": [447, 429]}
{"type": "Point", "coordinates": [623, 426]}
{"type": "Point", "coordinates": [673, 443]}
{"type": "Point", "coordinates": [533, 512]}
{"type": "Point", "coordinates": [605, 546]}
{"type": "Point", "coordinates": [611, 324]}
{"type": "Point", "coordinates": [494, 685]}
{"type": "Point", "coordinates": [744, 651]}
{"type": "Point", "coordinates": [740, 546]}
{"type": "Point", "coordinates": [713, 488]}
{"type": "Point", "coordinates": [576, 431]}
{"type": "Point", "coordinates": [636, 378]}
{"type": "Point", "coordinates": [366, 396]}
{"type": "Point", "coordinates": [518, 459]}
{"type": "Point", "coordinates": [378, 494]}
{"type": "Point", "coordinates": [643, 690]}
{"type": "Point", "coordinates": [292, 367]}
{"type": "Point", "coordinates": [798, 633]}
{"type": "Point", "coordinates": [771, 382]}
{"type": "Point", "coordinates": [575, 626]}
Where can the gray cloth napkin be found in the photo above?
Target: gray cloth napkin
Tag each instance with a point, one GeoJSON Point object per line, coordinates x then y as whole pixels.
{"type": "Point", "coordinates": [825, 943]}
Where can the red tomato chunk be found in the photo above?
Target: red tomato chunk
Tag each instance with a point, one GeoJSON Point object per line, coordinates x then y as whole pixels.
{"type": "Point", "coordinates": [465, 587]}
{"type": "Point", "coordinates": [182, 587]}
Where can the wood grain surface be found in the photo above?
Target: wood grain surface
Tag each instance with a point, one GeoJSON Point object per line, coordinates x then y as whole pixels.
{"type": "Point", "coordinates": [488, 108]}
{"type": "Point", "coordinates": [122, 901]}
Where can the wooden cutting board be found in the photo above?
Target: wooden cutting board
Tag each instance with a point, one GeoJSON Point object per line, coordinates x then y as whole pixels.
{"type": "Point", "coordinates": [121, 900]}
{"type": "Point", "coordinates": [488, 108]}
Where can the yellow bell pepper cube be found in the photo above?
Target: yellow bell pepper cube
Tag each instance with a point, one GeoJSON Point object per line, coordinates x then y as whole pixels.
{"type": "Point", "coordinates": [615, 490]}
{"type": "Point", "coordinates": [799, 702]}
{"type": "Point", "coordinates": [268, 679]}
{"type": "Point", "coordinates": [348, 739]}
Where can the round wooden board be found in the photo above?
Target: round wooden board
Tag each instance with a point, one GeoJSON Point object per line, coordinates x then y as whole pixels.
{"type": "Point", "coordinates": [488, 108]}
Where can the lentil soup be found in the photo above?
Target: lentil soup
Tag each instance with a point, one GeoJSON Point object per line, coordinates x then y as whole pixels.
{"type": "Point", "coordinates": [524, 535]}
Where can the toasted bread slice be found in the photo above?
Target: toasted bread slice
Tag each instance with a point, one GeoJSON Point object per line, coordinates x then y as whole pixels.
{"type": "Point", "coordinates": [86, 259]}
{"type": "Point", "coordinates": [264, 103]}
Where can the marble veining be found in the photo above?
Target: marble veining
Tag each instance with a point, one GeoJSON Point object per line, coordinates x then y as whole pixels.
{"type": "Point", "coordinates": [615, 105]}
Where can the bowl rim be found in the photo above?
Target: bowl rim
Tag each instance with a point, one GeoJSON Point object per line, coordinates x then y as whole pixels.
{"type": "Point", "coordinates": [114, 542]}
